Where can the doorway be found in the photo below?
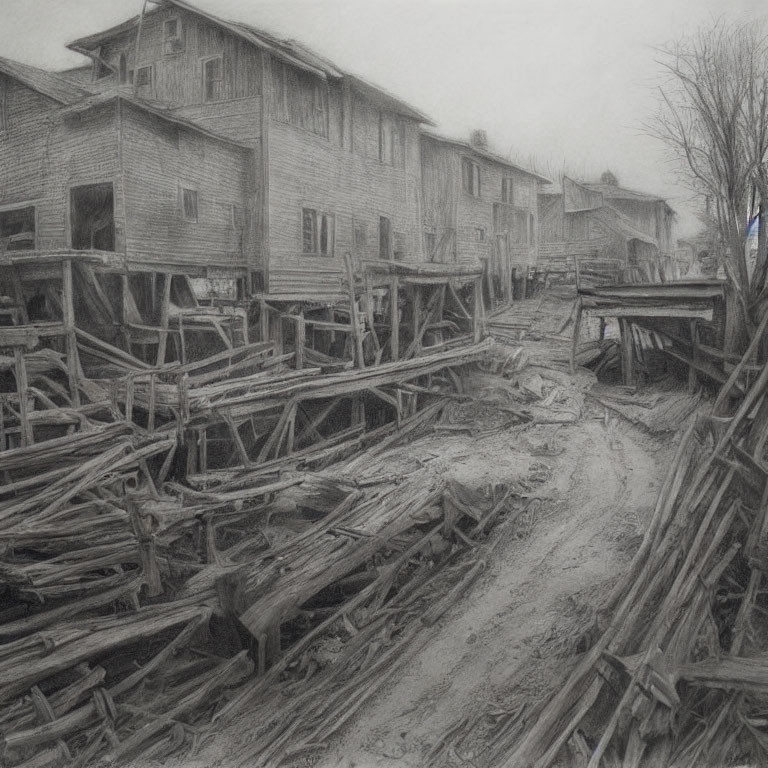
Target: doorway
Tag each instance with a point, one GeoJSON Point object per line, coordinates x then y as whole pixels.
{"type": "Point", "coordinates": [92, 217]}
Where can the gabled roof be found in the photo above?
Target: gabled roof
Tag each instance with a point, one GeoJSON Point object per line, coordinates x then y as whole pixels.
{"type": "Point", "coordinates": [151, 108]}
{"type": "Point", "coordinates": [492, 157]}
{"type": "Point", "coordinates": [49, 84]}
{"type": "Point", "coordinates": [289, 51]}
{"type": "Point", "coordinates": [620, 193]}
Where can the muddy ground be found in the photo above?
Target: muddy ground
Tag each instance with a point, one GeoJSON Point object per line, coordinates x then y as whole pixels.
{"type": "Point", "coordinates": [519, 629]}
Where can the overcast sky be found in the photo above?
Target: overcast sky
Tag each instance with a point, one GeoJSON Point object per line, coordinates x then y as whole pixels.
{"type": "Point", "coordinates": [569, 82]}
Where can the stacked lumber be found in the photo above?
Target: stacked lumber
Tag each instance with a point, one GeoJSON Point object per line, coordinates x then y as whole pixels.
{"type": "Point", "coordinates": [677, 676]}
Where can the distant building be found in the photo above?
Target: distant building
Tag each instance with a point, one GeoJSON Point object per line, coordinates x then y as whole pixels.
{"type": "Point", "coordinates": [605, 221]}
{"type": "Point", "coordinates": [478, 206]}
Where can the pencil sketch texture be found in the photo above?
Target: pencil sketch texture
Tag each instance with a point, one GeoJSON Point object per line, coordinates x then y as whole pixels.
{"type": "Point", "coordinates": [419, 424]}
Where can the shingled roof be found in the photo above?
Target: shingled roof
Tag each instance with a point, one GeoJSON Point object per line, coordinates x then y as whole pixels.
{"type": "Point", "coordinates": [289, 51]}
{"type": "Point", "coordinates": [49, 84]}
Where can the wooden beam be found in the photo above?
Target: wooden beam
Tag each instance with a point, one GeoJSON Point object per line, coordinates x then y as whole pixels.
{"type": "Point", "coordinates": [394, 309]}
{"type": "Point", "coordinates": [627, 353]}
{"type": "Point", "coordinates": [576, 334]}
{"type": "Point", "coordinates": [27, 437]}
{"type": "Point", "coordinates": [477, 314]}
{"type": "Point", "coordinates": [165, 308]}
{"type": "Point", "coordinates": [68, 308]}
{"type": "Point", "coordinates": [359, 357]}
{"type": "Point", "coordinates": [692, 377]}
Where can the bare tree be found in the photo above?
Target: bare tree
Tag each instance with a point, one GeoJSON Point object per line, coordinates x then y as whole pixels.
{"type": "Point", "coordinates": [713, 116]}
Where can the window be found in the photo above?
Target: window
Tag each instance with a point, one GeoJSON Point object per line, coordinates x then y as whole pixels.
{"type": "Point", "coordinates": [385, 238]}
{"type": "Point", "coordinates": [173, 42]}
{"type": "Point", "coordinates": [213, 78]}
{"type": "Point", "coordinates": [386, 139]}
{"type": "Point", "coordinates": [316, 233]}
{"type": "Point", "coordinates": [17, 230]}
{"type": "Point", "coordinates": [92, 217]}
{"type": "Point", "coordinates": [122, 70]}
{"type": "Point", "coordinates": [189, 207]}
{"type": "Point", "coordinates": [531, 229]}
{"type": "Point", "coordinates": [470, 177]}
{"type": "Point", "coordinates": [507, 194]}
{"type": "Point", "coordinates": [144, 77]}
{"type": "Point", "coordinates": [480, 234]}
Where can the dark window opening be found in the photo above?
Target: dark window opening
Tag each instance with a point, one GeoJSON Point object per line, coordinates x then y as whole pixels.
{"type": "Point", "coordinates": [213, 79]}
{"type": "Point", "coordinates": [123, 70]}
{"type": "Point", "coordinates": [101, 69]}
{"type": "Point", "coordinates": [316, 233]}
{"type": "Point", "coordinates": [144, 77]}
{"type": "Point", "coordinates": [470, 177]}
{"type": "Point", "coordinates": [17, 230]}
{"type": "Point", "coordinates": [92, 217]}
{"type": "Point", "coordinates": [189, 207]}
{"type": "Point", "coordinates": [173, 41]}
{"type": "Point", "coordinates": [507, 191]}
{"type": "Point", "coordinates": [385, 238]}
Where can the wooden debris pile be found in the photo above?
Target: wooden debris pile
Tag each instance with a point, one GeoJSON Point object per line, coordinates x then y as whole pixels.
{"type": "Point", "coordinates": [678, 675]}
{"type": "Point", "coordinates": [176, 538]}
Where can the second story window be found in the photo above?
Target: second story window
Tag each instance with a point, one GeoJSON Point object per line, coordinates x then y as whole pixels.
{"type": "Point", "coordinates": [213, 78]}
{"type": "Point", "coordinates": [189, 207]}
{"type": "Point", "coordinates": [173, 42]}
{"type": "Point", "coordinates": [470, 177]}
{"type": "Point", "coordinates": [316, 233]}
{"type": "Point", "coordinates": [507, 192]}
{"type": "Point", "coordinates": [386, 139]}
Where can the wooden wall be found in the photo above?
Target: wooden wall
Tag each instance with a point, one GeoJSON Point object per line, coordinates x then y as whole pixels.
{"type": "Point", "coordinates": [178, 77]}
{"type": "Point", "coordinates": [447, 206]}
{"type": "Point", "coordinates": [158, 159]}
{"type": "Point", "coordinates": [43, 154]}
{"type": "Point", "coordinates": [339, 174]}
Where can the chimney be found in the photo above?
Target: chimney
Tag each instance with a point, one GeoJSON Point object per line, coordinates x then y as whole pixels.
{"type": "Point", "coordinates": [479, 139]}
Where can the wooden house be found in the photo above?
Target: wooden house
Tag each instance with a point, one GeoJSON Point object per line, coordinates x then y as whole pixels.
{"type": "Point", "coordinates": [479, 207]}
{"type": "Point", "coordinates": [335, 161]}
{"type": "Point", "coordinates": [604, 221]}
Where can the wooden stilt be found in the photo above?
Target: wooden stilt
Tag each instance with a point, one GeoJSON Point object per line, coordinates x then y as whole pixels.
{"type": "Point", "coordinates": [576, 333]}
{"type": "Point", "coordinates": [477, 314]}
{"type": "Point", "coordinates": [300, 337]}
{"type": "Point", "coordinates": [27, 437]}
{"type": "Point", "coordinates": [627, 353]}
{"type": "Point", "coordinates": [394, 308]}
{"type": "Point", "coordinates": [165, 308]}
{"type": "Point", "coordinates": [263, 320]}
{"type": "Point", "coordinates": [369, 314]}
{"type": "Point", "coordinates": [353, 319]}
{"type": "Point", "coordinates": [693, 381]}
{"type": "Point", "coordinates": [68, 307]}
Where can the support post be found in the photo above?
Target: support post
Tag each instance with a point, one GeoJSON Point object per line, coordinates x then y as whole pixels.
{"type": "Point", "coordinates": [627, 352]}
{"type": "Point", "coordinates": [300, 338]}
{"type": "Point", "coordinates": [358, 336]}
{"type": "Point", "coordinates": [27, 437]}
{"type": "Point", "coordinates": [576, 334]}
{"type": "Point", "coordinates": [477, 314]}
{"type": "Point", "coordinates": [165, 309]}
{"type": "Point", "coordinates": [263, 320]}
{"type": "Point", "coordinates": [394, 309]}
{"type": "Point", "coordinates": [693, 380]}
{"type": "Point", "coordinates": [68, 307]}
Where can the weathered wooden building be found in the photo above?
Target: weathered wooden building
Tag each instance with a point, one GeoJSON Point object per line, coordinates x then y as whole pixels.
{"type": "Point", "coordinates": [478, 206]}
{"type": "Point", "coordinates": [336, 161]}
{"type": "Point", "coordinates": [604, 221]}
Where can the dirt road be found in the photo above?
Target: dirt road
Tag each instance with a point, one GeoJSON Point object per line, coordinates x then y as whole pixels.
{"type": "Point", "coordinates": [517, 629]}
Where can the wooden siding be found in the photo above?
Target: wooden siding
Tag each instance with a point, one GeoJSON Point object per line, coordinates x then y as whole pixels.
{"type": "Point", "coordinates": [448, 207]}
{"type": "Point", "coordinates": [178, 77]}
{"type": "Point", "coordinates": [307, 170]}
{"type": "Point", "coordinates": [158, 160]}
{"type": "Point", "coordinates": [43, 154]}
